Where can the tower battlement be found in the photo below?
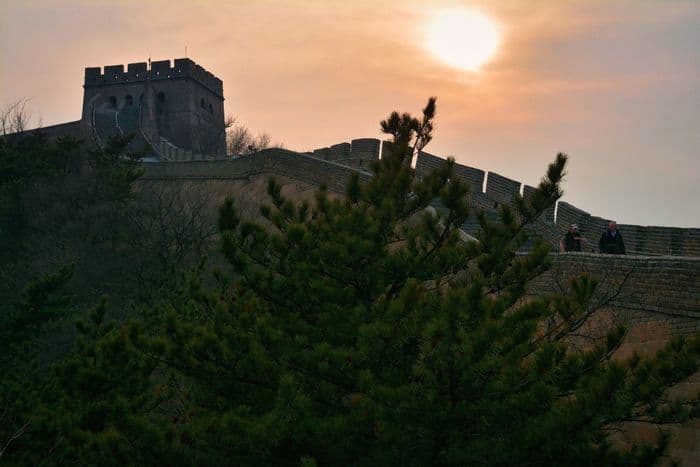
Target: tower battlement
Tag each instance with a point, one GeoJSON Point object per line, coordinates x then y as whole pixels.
{"type": "Point", "coordinates": [159, 71]}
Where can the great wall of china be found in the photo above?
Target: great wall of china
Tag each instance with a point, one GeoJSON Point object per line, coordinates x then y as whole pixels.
{"type": "Point", "coordinates": [654, 281]}
{"type": "Point", "coordinates": [176, 110]}
{"type": "Point", "coordinates": [654, 289]}
{"type": "Point", "coordinates": [655, 294]}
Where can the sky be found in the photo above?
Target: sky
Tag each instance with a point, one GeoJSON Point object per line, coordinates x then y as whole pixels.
{"type": "Point", "coordinates": [615, 84]}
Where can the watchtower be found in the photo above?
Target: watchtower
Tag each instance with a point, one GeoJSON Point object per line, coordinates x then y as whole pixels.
{"type": "Point", "coordinates": [179, 106]}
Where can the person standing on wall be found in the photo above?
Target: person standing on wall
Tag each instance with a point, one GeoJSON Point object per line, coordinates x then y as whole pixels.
{"type": "Point", "coordinates": [572, 240]}
{"type": "Point", "coordinates": [611, 241]}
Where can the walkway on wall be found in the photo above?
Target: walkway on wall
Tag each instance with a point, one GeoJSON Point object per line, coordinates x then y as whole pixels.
{"type": "Point", "coordinates": [109, 122]}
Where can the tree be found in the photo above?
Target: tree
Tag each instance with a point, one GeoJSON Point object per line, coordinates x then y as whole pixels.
{"type": "Point", "coordinates": [172, 227]}
{"type": "Point", "coordinates": [42, 302]}
{"type": "Point", "coordinates": [15, 118]}
{"type": "Point", "coordinates": [241, 141]}
{"type": "Point", "coordinates": [68, 224]}
{"type": "Point", "coordinates": [54, 197]}
{"type": "Point", "coordinates": [363, 331]}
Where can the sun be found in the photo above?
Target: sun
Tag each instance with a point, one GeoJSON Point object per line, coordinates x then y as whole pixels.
{"type": "Point", "coordinates": [463, 38]}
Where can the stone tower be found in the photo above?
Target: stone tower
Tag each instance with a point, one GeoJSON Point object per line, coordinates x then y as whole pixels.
{"type": "Point", "coordinates": [177, 112]}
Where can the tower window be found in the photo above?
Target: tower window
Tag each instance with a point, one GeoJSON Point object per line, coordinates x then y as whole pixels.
{"type": "Point", "coordinates": [161, 97]}
{"type": "Point", "coordinates": [113, 102]}
{"type": "Point", "coordinates": [211, 109]}
{"type": "Point", "coordinates": [202, 104]}
{"type": "Point", "coordinates": [128, 100]}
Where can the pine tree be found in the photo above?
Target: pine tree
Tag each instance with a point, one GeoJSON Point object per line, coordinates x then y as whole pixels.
{"type": "Point", "coordinates": [364, 331]}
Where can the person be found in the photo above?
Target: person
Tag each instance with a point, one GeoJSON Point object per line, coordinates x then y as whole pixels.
{"type": "Point", "coordinates": [611, 241]}
{"type": "Point", "coordinates": [572, 240]}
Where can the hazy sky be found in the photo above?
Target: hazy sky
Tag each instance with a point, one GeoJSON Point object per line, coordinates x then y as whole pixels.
{"type": "Point", "coordinates": [615, 84]}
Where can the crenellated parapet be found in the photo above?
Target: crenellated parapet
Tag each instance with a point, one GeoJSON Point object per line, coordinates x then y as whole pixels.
{"type": "Point", "coordinates": [490, 190]}
{"type": "Point", "coordinates": [498, 190]}
{"type": "Point", "coordinates": [182, 68]}
{"type": "Point", "coordinates": [358, 153]}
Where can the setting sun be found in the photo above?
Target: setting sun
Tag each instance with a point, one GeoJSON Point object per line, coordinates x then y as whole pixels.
{"type": "Point", "coordinates": [464, 39]}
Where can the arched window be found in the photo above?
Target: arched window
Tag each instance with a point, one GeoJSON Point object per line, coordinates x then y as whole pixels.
{"type": "Point", "coordinates": [113, 102]}
{"type": "Point", "coordinates": [202, 104]}
{"type": "Point", "coordinates": [211, 109]}
{"type": "Point", "coordinates": [128, 100]}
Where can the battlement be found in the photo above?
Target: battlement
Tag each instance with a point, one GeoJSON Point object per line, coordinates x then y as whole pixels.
{"type": "Point", "coordinates": [159, 70]}
{"type": "Point", "coordinates": [490, 190]}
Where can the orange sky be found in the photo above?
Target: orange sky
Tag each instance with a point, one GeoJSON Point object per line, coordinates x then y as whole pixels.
{"type": "Point", "coordinates": [616, 84]}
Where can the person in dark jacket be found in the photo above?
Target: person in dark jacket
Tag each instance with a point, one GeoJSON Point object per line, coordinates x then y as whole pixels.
{"type": "Point", "coordinates": [611, 241]}
{"type": "Point", "coordinates": [572, 240]}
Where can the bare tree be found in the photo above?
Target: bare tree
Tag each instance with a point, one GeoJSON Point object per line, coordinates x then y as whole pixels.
{"type": "Point", "coordinates": [241, 141]}
{"type": "Point", "coordinates": [15, 117]}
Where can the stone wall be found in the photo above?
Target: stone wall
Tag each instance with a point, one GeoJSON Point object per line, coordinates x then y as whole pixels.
{"type": "Point", "coordinates": [657, 299]}
{"type": "Point", "coordinates": [663, 285]}
{"type": "Point", "coordinates": [73, 129]}
{"type": "Point", "coordinates": [359, 153]}
{"type": "Point", "coordinates": [647, 240]}
{"type": "Point", "coordinates": [272, 162]}
{"type": "Point", "coordinates": [639, 239]}
{"type": "Point", "coordinates": [499, 190]}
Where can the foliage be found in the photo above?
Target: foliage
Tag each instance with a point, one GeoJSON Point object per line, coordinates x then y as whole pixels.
{"type": "Point", "coordinates": [62, 204]}
{"type": "Point", "coordinates": [363, 331]}
{"type": "Point", "coordinates": [24, 163]}
{"type": "Point", "coordinates": [50, 193]}
{"type": "Point", "coordinates": [360, 331]}
{"type": "Point", "coordinates": [61, 210]}
{"type": "Point", "coordinates": [116, 169]}
{"type": "Point", "coordinates": [41, 302]}
{"type": "Point", "coordinates": [44, 301]}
